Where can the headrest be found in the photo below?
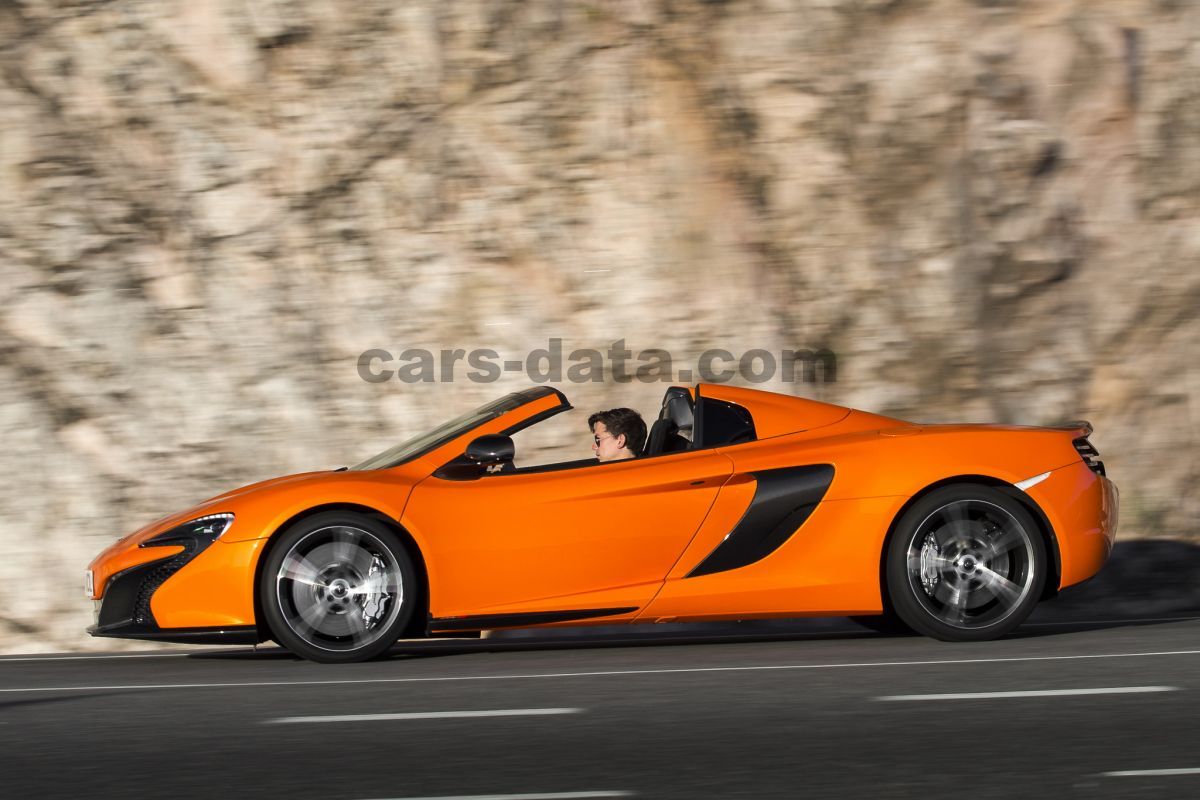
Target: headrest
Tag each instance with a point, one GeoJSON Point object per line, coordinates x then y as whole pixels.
{"type": "Point", "coordinates": [677, 407]}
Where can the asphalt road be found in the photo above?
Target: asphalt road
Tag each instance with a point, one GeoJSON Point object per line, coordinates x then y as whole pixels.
{"type": "Point", "coordinates": [794, 714]}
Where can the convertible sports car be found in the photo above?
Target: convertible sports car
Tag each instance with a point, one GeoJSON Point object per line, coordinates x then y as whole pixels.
{"type": "Point", "coordinates": [744, 504]}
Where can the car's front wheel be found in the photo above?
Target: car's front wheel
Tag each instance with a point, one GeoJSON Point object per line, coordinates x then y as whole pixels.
{"type": "Point", "coordinates": [338, 587]}
{"type": "Point", "coordinates": [966, 563]}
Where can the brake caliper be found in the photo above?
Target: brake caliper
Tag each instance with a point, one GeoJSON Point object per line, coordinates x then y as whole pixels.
{"type": "Point", "coordinates": [375, 599]}
{"type": "Point", "coordinates": [931, 552]}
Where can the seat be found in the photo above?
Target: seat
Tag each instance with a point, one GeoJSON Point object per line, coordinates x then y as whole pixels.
{"type": "Point", "coordinates": [672, 431]}
{"type": "Point", "coordinates": [656, 438]}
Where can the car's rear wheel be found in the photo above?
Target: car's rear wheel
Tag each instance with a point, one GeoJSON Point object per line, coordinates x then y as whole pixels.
{"type": "Point", "coordinates": [338, 587]}
{"type": "Point", "coordinates": [966, 563]}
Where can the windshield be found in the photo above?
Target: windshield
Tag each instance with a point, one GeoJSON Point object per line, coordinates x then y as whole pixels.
{"type": "Point", "coordinates": [419, 445]}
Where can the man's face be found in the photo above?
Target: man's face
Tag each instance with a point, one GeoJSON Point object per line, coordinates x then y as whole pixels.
{"type": "Point", "coordinates": [606, 446]}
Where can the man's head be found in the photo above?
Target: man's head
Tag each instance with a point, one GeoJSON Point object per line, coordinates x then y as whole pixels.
{"type": "Point", "coordinates": [617, 433]}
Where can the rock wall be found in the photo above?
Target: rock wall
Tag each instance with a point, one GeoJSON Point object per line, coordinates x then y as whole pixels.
{"type": "Point", "coordinates": [988, 210]}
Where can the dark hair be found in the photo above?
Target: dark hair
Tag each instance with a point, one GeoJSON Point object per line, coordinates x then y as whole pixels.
{"type": "Point", "coordinates": [620, 421]}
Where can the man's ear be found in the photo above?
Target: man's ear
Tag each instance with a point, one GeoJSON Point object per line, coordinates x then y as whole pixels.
{"type": "Point", "coordinates": [620, 440]}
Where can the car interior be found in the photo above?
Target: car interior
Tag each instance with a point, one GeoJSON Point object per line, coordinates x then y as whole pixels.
{"type": "Point", "coordinates": [674, 430]}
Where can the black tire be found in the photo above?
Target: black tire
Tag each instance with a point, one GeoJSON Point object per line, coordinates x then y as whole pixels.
{"type": "Point", "coordinates": [338, 587]}
{"type": "Point", "coordinates": [966, 563]}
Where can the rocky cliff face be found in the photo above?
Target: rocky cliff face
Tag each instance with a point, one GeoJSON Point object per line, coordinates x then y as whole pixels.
{"type": "Point", "coordinates": [988, 210]}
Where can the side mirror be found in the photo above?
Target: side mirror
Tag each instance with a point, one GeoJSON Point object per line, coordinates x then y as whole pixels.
{"type": "Point", "coordinates": [491, 448]}
{"type": "Point", "coordinates": [487, 454]}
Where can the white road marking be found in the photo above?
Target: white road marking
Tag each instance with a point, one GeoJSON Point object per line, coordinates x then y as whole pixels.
{"type": "Point", "coordinates": [538, 796]}
{"type": "Point", "coordinates": [597, 674]}
{"type": "Point", "coordinates": [1034, 693]}
{"type": "Point", "coordinates": [1137, 773]}
{"type": "Point", "coordinates": [504, 712]}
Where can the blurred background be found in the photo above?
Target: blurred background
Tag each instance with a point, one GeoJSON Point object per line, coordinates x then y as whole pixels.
{"type": "Point", "coordinates": [989, 211]}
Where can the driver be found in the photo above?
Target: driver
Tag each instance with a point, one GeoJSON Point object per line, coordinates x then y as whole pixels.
{"type": "Point", "coordinates": [617, 434]}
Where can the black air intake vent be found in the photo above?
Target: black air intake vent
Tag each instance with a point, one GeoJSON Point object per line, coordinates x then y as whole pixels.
{"type": "Point", "coordinates": [1090, 455]}
{"type": "Point", "coordinates": [154, 579]}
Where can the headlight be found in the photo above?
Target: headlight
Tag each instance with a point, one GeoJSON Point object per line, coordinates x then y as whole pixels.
{"type": "Point", "coordinates": [196, 534]}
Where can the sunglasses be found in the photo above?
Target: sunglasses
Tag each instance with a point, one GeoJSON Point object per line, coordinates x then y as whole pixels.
{"type": "Point", "coordinates": [599, 438]}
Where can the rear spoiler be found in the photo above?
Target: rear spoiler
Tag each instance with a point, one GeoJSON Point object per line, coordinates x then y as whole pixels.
{"type": "Point", "coordinates": [1075, 425]}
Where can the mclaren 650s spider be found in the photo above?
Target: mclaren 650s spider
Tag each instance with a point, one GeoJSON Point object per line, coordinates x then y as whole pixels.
{"type": "Point", "coordinates": [744, 504]}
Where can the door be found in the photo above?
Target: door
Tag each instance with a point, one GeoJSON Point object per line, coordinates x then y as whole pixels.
{"type": "Point", "coordinates": [602, 535]}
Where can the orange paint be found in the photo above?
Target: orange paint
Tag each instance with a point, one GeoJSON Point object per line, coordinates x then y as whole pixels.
{"type": "Point", "coordinates": [626, 534]}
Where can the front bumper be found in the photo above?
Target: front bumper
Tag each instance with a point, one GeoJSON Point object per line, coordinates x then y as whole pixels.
{"type": "Point", "coordinates": [201, 592]}
{"type": "Point", "coordinates": [124, 611]}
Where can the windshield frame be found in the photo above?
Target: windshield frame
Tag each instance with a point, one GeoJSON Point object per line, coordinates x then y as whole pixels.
{"type": "Point", "coordinates": [424, 443]}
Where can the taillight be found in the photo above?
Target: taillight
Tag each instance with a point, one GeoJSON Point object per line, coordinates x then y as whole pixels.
{"type": "Point", "coordinates": [1090, 455]}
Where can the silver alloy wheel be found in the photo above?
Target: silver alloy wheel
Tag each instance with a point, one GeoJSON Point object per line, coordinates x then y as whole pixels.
{"type": "Point", "coordinates": [971, 564]}
{"type": "Point", "coordinates": [339, 588]}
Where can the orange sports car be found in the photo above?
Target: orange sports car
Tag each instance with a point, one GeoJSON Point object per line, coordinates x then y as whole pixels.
{"type": "Point", "coordinates": [744, 504]}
